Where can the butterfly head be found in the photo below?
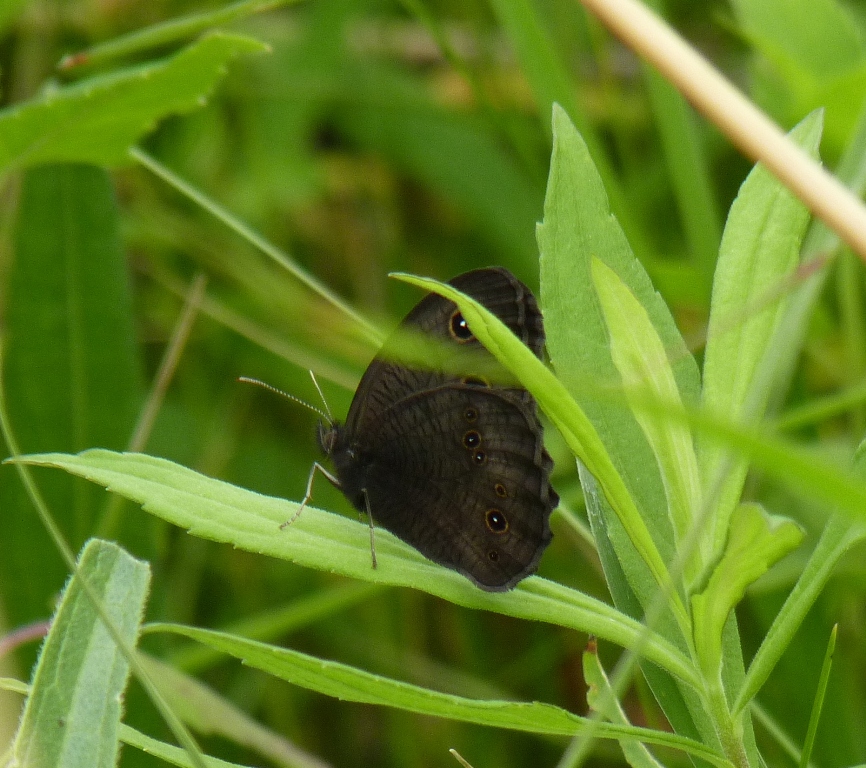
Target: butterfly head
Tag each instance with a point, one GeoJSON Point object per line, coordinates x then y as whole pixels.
{"type": "Point", "coordinates": [329, 436]}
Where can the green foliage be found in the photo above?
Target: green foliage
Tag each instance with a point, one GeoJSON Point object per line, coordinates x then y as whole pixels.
{"type": "Point", "coordinates": [720, 527]}
{"type": "Point", "coordinates": [73, 709]}
{"type": "Point", "coordinates": [97, 120]}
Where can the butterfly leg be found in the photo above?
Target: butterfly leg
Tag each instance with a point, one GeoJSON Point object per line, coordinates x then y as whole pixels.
{"type": "Point", "coordinates": [309, 493]}
{"type": "Point", "coordinates": [372, 530]}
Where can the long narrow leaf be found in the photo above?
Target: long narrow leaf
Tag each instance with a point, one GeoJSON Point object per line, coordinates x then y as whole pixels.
{"type": "Point", "coordinates": [350, 684]}
{"type": "Point", "coordinates": [72, 369]}
{"type": "Point", "coordinates": [759, 251]}
{"type": "Point", "coordinates": [222, 512]}
{"type": "Point", "coordinates": [641, 360]}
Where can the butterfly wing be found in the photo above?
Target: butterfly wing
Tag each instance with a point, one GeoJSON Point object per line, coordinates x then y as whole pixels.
{"type": "Point", "coordinates": [460, 473]}
{"type": "Point", "coordinates": [450, 462]}
{"type": "Point", "coordinates": [387, 381]}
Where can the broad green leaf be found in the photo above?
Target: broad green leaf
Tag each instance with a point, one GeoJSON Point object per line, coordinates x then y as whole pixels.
{"type": "Point", "coordinates": [759, 253]}
{"type": "Point", "coordinates": [72, 366]}
{"type": "Point", "coordinates": [98, 120]}
{"type": "Point", "coordinates": [73, 712]}
{"type": "Point", "coordinates": [642, 362]}
{"type": "Point", "coordinates": [601, 698]}
{"type": "Point", "coordinates": [351, 684]}
{"type": "Point", "coordinates": [756, 541]}
{"type": "Point", "coordinates": [222, 512]}
{"type": "Point", "coordinates": [577, 226]}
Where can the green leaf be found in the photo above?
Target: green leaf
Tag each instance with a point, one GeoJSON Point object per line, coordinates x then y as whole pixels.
{"type": "Point", "coordinates": [172, 31]}
{"type": "Point", "coordinates": [350, 684]}
{"type": "Point", "coordinates": [98, 120]}
{"type": "Point", "coordinates": [756, 541]}
{"type": "Point", "coordinates": [72, 367]}
{"type": "Point", "coordinates": [578, 226]}
{"type": "Point", "coordinates": [759, 253]}
{"type": "Point", "coordinates": [222, 512]}
{"type": "Point", "coordinates": [72, 715]}
{"type": "Point", "coordinates": [643, 364]}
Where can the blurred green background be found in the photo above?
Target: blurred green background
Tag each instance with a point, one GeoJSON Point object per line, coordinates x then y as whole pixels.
{"type": "Point", "coordinates": [379, 136]}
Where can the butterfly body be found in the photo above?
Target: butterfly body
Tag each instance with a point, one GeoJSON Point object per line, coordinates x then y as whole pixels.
{"type": "Point", "coordinates": [451, 464]}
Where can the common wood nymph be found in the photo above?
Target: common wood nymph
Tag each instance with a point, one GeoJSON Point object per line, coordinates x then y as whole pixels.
{"type": "Point", "coordinates": [450, 463]}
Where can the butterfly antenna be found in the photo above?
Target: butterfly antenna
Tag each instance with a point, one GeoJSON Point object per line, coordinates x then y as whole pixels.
{"type": "Point", "coordinates": [322, 395]}
{"type": "Point", "coordinates": [326, 416]}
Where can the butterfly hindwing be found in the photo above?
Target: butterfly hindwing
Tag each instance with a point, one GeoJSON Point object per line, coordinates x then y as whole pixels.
{"type": "Point", "coordinates": [461, 473]}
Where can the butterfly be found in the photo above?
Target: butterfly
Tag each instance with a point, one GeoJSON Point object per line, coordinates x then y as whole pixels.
{"type": "Point", "coordinates": [450, 463]}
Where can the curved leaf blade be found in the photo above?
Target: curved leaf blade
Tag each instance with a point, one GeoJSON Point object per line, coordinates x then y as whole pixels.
{"type": "Point", "coordinates": [219, 511]}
